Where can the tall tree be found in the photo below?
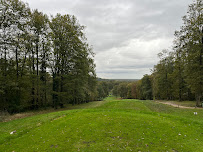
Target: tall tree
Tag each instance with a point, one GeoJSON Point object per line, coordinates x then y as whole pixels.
{"type": "Point", "coordinates": [30, 46]}
{"type": "Point", "coordinates": [191, 34]}
{"type": "Point", "coordinates": [146, 87]}
{"type": "Point", "coordinates": [72, 64]}
{"type": "Point", "coordinates": [15, 16]}
{"type": "Point", "coordinates": [41, 47]}
{"type": "Point", "coordinates": [162, 76]}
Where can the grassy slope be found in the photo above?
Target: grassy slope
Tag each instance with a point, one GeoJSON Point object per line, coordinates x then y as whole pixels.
{"type": "Point", "coordinates": [110, 125]}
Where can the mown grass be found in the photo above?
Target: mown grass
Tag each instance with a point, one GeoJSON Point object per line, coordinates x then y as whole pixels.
{"type": "Point", "coordinates": [110, 125]}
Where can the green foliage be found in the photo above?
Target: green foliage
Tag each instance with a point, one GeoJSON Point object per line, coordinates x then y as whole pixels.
{"type": "Point", "coordinates": [103, 89]}
{"type": "Point", "coordinates": [141, 89]}
{"type": "Point", "coordinates": [123, 90]}
{"type": "Point", "coordinates": [43, 62]}
{"type": "Point", "coordinates": [192, 34]}
{"type": "Point", "coordinates": [146, 88]}
{"type": "Point", "coordinates": [179, 74]}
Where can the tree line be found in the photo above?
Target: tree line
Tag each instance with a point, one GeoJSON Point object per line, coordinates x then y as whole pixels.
{"type": "Point", "coordinates": [44, 61]}
{"type": "Point", "coordinates": [47, 62]}
{"type": "Point", "coordinates": [179, 73]}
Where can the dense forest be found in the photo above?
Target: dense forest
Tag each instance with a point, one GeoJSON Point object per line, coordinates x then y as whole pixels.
{"type": "Point", "coordinates": [47, 62]}
{"type": "Point", "coordinates": [179, 73]}
{"type": "Point", "coordinates": [44, 61]}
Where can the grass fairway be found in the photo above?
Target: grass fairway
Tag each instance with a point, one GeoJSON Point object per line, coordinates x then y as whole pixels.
{"type": "Point", "coordinates": [110, 125]}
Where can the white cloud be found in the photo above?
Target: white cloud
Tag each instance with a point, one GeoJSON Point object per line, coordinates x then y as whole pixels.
{"type": "Point", "coordinates": [136, 55]}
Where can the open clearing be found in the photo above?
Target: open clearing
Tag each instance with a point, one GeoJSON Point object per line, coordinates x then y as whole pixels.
{"type": "Point", "coordinates": [110, 125]}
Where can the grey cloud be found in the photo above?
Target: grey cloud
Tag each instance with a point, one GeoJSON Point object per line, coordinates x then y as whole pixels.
{"type": "Point", "coordinates": [126, 35]}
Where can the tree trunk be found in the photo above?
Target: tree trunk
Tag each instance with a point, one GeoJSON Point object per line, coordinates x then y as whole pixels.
{"type": "Point", "coordinates": [198, 100]}
{"type": "Point", "coordinates": [199, 96]}
{"type": "Point", "coordinates": [37, 52]}
{"type": "Point", "coordinates": [167, 96]}
{"type": "Point", "coordinates": [43, 74]}
{"type": "Point", "coordinates": [54, 95]}
{"type": "Point", "coordinates": [33, 83]}
{"type": "Point", "coordinates": [5, 62]}
{"type": "Point", "coordinates": [180, 82]}
{"type": "Point", "coordinates": [17, 73]}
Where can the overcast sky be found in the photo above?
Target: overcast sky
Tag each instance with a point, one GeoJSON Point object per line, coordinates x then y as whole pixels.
{"type": "Point", "coordinates": [126, 35]}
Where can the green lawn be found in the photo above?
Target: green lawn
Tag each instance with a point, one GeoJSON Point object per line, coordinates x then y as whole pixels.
{"type": "Point", "coordinates": [110, 125]}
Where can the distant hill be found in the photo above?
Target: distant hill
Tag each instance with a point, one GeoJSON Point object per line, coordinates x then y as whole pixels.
{"type": "Point", "coordinates": [124, 80]}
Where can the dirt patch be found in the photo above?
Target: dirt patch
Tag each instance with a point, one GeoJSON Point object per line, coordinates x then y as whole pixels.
{"type": "Point", "coordinates": [176, 105]}
{"type": "Point", "coordinates": [58, 118]}
{"type": "Point", "coordinates": [8, 117]}
{"type": "Point", "coordinates": [98, 103]}
{"type": "Point", "coordinates": [5, 117]}
{"type": "Point", "coordinates": [88, 143]}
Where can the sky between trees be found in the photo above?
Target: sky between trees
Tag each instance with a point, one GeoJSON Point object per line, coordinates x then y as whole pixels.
{"type": "Point", "coordinates": [126, 35]}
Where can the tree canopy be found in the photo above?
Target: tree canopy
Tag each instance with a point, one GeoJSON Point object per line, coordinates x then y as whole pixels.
{"type": "Point", "coordinates": [44, 61]}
